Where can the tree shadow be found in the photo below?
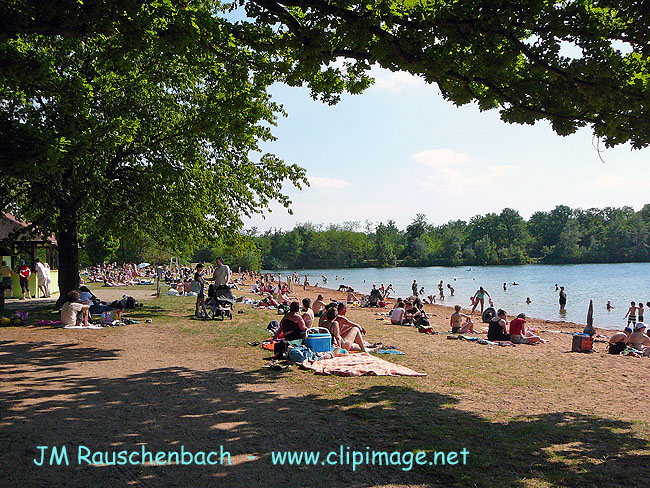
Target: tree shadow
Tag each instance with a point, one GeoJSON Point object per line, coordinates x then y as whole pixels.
{"type": "Point", "coordinates": [250, 415]}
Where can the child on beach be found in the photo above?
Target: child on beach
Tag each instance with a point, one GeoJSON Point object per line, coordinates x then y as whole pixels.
{"type": "Point", "coordinates": [631, 314]}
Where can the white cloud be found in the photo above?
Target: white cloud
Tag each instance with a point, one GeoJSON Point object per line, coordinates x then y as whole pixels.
{"type": "Point", "coordinates": [395, 81]}
{"type": "Point", "coordinates": [454, 173]}
{"type": "Point", "coordinates": [439, 158]}
{"type": "Point", "coordinates": [327, 183]}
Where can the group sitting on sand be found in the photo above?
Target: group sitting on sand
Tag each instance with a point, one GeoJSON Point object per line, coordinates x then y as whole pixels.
{"type": "Point", "coordinates": [637, 340]}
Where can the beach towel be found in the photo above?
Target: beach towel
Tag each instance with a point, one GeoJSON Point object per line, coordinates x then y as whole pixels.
{"type": "Point", "coordinates": [362, 364]}
{"type": "Point", "coordinates": [82, 327]}
{"type": "Point", "coordinates": [389, 351]}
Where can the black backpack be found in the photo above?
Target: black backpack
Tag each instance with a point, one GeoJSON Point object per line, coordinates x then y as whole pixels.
{"type": "Point", "coordinates": [281, 349]}
{"type": "Point", "coordinates": [130, 302]}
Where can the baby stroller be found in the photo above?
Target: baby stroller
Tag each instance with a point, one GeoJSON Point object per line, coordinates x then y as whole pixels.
{"type": "Point", "coordinates": [220, 301]}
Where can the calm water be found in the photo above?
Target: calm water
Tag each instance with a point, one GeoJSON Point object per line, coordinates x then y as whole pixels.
{"type": "Point", "coordinates": [619, 283]}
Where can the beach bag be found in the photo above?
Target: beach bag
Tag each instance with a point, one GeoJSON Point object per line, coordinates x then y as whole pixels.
{"type": "Point", "coordinates": [195, 286]}
{"type": "Point", "coordinates": [300, 353]}
{"type": "Point", "coordinates": [22, 317]}
{"type": "Point", "coordinates": [283, 309]}
{"type": "Point", "coordinates": [129, 302]}
{"type": "Point", "coordinates": [582, 343]}
{"type": "Point", "coordinates": [107, 317]}
{"type": "Point", "coordinates": [281, 349]}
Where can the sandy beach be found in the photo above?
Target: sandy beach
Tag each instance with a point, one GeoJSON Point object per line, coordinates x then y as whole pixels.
{"type": "Point", "coordinates": [533, 416]}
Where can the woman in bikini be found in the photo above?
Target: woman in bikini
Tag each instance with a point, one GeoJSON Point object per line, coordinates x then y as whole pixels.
{"type": "Point", "coordinates": [456, 322]}
{"type": "Point", "coordinates": [479, 297]}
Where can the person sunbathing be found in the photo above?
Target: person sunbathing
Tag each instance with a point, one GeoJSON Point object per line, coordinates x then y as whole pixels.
{"type": "Point", "coordinates": [638, 339]}
{"type": "Point", "coordinates": [398, 313]}
{"type": "Point", "coordinates": [73, 312]}
{"type": "Point", "coordinates": [351, 296]}
{"type": "Point", "coordinates": [618, 342]}
{"type": "Point", "coordinates": [497, 330]}
{"type": "Point", "coordinates": [307, 312]}
{"type": "Point", "coordinates": [519, 334]}
{"type": "Point", "coordinates": [457, 324]}
{"type": "Point", "coordinates": [344, 323]}
{"type": "Point", "coordinates": [349, 339]}
{"type": "Point", "coordinates": [292, 324]}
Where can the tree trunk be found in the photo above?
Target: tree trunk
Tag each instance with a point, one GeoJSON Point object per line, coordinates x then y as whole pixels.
{"type": "Point", "coordinates": [68, 244]}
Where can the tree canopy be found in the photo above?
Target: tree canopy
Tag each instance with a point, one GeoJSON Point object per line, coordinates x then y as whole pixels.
{"type": "Point", "coordinates": [136, 118]}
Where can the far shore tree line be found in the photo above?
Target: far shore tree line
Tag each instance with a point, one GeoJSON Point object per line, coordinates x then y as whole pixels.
{"type": "Point", "coordinates": [560, 236]}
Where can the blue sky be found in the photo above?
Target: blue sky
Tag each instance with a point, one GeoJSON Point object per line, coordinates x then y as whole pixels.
{"type": "Point", "coordinates": [399, 149]}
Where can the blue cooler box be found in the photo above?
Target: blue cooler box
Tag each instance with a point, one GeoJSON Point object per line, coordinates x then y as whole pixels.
{"type": "Point", "coordinates": [318, 339]}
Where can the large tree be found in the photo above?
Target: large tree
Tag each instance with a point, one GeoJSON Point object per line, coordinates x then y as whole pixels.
{"type": "Point", "coordinates": [145, 117]}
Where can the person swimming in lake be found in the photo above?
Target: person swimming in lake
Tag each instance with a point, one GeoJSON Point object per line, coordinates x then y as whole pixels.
{"type": "Point", "coordinates": [528, 302]}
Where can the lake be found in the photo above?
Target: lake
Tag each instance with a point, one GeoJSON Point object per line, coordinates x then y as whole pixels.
{"type": "Point", "coordinates": [619, 283]}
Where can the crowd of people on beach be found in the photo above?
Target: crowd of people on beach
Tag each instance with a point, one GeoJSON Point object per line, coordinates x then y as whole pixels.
{"type": "Point", "coordinates": [113, 274]}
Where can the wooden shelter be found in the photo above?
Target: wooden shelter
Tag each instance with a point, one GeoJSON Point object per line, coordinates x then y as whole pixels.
{"type": "Point", "coordinates": [17, 236]}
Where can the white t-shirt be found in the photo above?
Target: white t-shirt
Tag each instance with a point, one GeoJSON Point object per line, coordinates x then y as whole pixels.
{"type": "Point", "coordinates": [397, 314]}
{"type": "Point", "coordinates": [40, 271]}
{"type": "Point", "coordinates": [69, 312]}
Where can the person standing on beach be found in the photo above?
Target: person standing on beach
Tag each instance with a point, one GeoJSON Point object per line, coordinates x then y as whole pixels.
{"type": "Point", "coordinates": [24, 273]}
{"type": "Point", "coordinates": [6, 274]}
{"type": "Point", "coordinates": [222, 274]}
{"type": "Point", "coordinates": [631, 314]}
{"type": "Point", "coordinates": [562, 298]}
{"type": "Point", "coordinates": [479, 297]}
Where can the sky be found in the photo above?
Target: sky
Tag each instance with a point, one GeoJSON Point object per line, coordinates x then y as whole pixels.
{"type": "Point", "coordinates": [399, 149]}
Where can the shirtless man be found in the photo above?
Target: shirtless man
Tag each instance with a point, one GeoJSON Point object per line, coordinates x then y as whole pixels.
{"type": "Point", "coordinates": [318, 305]}
{"type": "Point", "coordinates": [351, 296]}
{"type": "Point", "coordinates": [618, 342]}
{"type": "Point", "coordinates": [640, 341]}
{"type": "Point", "coordinates": [344, 322]}
{"type": "Point", "coordinates": [456, 322]}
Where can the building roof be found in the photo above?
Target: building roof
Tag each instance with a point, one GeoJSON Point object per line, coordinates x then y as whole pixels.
{"type": "Point", "coordinates": [14, 229]}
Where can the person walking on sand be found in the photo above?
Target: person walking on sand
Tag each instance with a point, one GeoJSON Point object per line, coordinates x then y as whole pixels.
{"type": "Point", "coordinates": [631, 314]}
{"type": "Point", "coordinates": [562, 298]}
{"type": "Point", "coordinates": [200, 310]}
{"type": "Point", "coordinates": [479, 297]}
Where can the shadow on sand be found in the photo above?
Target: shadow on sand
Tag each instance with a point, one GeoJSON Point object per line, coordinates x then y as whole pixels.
{"type": "Point", "coordinates": [202, 410]}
